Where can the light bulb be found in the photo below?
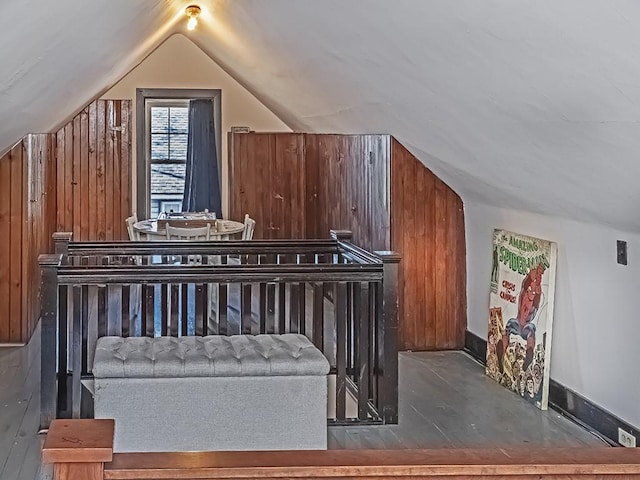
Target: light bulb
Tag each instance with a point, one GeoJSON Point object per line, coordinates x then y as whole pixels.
{"type": "Point", "coordinates": [192, 11]}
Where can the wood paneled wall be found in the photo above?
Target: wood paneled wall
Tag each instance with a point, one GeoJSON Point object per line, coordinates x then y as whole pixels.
{"type": "Point", "coordinates": [267, 181]}
{"type": "Point", "coordinates": [77, 179]}
{"type": "Point", "coordinates": [348, 188]}
{"type": "Point", "coordinates": [373, 186]}
{"type": "Point", "coordinates": [427, 225]}
{"type": "Point", "coordinates": [93, 168]}
{"type": "Point", "coordinates": [26, 210]}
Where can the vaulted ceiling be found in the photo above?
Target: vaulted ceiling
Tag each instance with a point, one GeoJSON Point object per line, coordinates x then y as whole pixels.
{"type": "Point", "coordinates": [533, 105]}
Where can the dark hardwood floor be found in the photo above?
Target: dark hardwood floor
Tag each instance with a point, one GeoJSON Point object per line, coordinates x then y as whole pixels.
{"type": "Point", "coordinates": [20, 443]}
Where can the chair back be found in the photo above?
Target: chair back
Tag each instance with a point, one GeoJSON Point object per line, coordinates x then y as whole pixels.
{"type": "Point", "coordinates": [249, 227]}
{"type": "Point", "coordinates": [197, 233]}
{"type": "Point", "coordinates": [134, 235]}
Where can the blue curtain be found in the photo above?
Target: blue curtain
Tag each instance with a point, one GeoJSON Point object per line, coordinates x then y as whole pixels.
{"type": "Point", "coordinates": [202, 184]}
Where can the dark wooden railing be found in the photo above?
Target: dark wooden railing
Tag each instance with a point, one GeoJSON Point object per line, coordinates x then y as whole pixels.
{"type": "Point", "coordinates": [83, 450]}
{"type": "Point", "coordinates": [340, 296]}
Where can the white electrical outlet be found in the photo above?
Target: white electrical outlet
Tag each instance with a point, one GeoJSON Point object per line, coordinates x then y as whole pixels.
{"type": "Point", "coordinates": [626, 439]}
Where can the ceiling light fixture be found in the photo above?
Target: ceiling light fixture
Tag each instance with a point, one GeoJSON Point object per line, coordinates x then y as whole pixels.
{"type": "Point", "coordinates": [192, 11]}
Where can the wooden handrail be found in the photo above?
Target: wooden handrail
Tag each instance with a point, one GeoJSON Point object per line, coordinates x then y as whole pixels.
{"type": "Point", "coordinates": [81, 450]}
{"type": "Point", "coordinates": [209, 247]}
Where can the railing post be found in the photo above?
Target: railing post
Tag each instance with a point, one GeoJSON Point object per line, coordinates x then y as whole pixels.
{"type": "Point", "coordinates": [79, 449]}
{"type": "Point", "coordinates": [49, 264]}
{"type": "Point", "coordinates": [388, 386]}
{"type": "Point", "coordinates": [342, 235]}
{"type": "Point", "coordinates": [61, 244]}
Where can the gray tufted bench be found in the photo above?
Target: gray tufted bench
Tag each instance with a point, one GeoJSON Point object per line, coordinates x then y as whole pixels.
{"type": "Point", "coordinates": [241, 392]}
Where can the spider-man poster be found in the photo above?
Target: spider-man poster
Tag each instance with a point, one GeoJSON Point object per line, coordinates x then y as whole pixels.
{"type": "Point", "coordinates": [521, 314]}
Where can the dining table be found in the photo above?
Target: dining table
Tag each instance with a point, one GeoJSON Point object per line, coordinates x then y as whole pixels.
{"type": "Point", "coordinates": [220, 229]}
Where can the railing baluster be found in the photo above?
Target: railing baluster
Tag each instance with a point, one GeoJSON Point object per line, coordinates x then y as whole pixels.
{"type": "Point", "coordinates": [330, 324]}
{"type": "Point", "coordinates": [294, 308]}
{"type": "Point", "coordinates": [223, 326]}
{"type": "Point", "coordinates": [164, 309]}
{"type": "Point", "coordinates": [125, 318]}
{"type": "Point", "coordinates": [377, 350]}
{"type": "Point", "coordinates": [282, 310]}
{"type": "Point", "coordinates": [214, 318]}
{"type": "Point", "coordinates": [85, 325]}
{"type": "Point", "coordinates": [78, 350]}
{"type": "Point", "coordinates": [92, 327]}
{"type": "Point", "coordinates": [341, 354]}
{"type": "Point", "coordinates": [206, 310]}
{"type": "Point", "coordinates": [62, 331]}
{"type": "Point", "coordinates": [302, 308]}
{"type": "Point", "coordinates": [271, 307]}
{"type": "Point", "coordinates": [148, 310]}
{"type": "Point", "coordinates": [174, 318]}
{"type": "Point", "coordinates": [373, 348]}
{"type": "Point", "coordinates": [245, 308]}
{"type": "Point", "coordinates": [349, 329]}
{"type": "Point", "coordinates": [200, 321]}
{"type": "Point", "coordinates": [318, 316]}
{"type": "Point", "coordinates": [362, 291]}
{"type": "Point", "coordinates": [184, 309]}
{"type": "Point", "coordinates": [263, 307]}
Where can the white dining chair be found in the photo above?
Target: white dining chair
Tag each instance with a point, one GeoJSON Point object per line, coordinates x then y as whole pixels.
{"type": "Point", "coordinates": [191, 234]}
{"type": "Point", "coordinates": [249, 227]}
{"type": "Point", "coordinates": [134, 235]}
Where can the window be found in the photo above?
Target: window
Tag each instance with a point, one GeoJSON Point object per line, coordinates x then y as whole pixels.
{"type": "Point", "coordinates": [162, 122]}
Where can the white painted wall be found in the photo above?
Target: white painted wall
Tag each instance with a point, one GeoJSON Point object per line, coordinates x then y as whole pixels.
{"type": "Point", "coordinates": [596, 321]}
{"type": "Point", "coordinates": [179, 63]}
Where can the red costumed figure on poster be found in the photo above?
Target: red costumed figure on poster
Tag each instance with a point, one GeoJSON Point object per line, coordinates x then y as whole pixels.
{"type": "Point", "coordinates": [522, 325]}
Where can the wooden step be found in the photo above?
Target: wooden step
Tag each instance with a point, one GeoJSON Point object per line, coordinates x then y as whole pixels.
{"type": "Point", "coordinates": [74, 442]}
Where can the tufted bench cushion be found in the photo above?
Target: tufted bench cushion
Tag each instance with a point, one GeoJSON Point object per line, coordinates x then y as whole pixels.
{"type": "Point", "coordinates": [242, 392]}
{"type": "Point", "coordinates": [211, 356]}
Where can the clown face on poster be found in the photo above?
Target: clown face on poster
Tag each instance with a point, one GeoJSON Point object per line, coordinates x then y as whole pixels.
{"type": "Point", "coordinates": [521, 314]}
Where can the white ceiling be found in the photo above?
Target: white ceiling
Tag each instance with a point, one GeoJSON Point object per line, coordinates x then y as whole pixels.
{"type": "Point", "coordinates": [530, 104]}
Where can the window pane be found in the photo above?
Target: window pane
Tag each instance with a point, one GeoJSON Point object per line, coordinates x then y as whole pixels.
{"type": "Point", "coordinates": [179, 120]}
{"type": "Point", "coordinates": [167, 182]}
{"type": "Point", "coordinates": [178, 148]}
{"type": "Point", "coordinates": [159, 146]}
{"type": "Point", "coordinates": [159, 119]}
